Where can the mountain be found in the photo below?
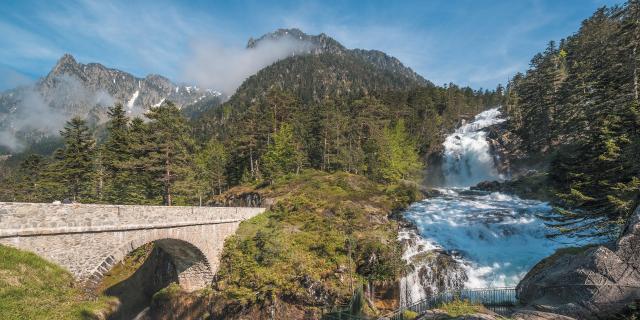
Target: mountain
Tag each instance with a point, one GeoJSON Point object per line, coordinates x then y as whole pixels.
{"type": "Point", "coordinates": [319, 70]}
{"type": "Point", "coordinates": [120, 86]}
{"type": "Point", "coordinates": [323, 44]}
{"type": "Point", "coordinates": [86, 90]}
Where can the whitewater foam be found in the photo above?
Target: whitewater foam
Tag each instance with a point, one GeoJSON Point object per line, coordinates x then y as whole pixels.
{"type": "Point", "coordinates": [495, 238]}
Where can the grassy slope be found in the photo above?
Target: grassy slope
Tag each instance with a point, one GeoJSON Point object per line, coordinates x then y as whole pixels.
{"type": "Point", "coordinates": [32, 288]}
{"type": "Point", "coordinates": [298, 251]}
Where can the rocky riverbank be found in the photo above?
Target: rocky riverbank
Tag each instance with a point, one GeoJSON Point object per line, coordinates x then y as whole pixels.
{"type": "Point", "coordinates": [592, 282]}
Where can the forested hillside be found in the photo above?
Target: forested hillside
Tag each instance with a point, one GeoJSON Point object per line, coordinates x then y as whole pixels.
{"type": "Point", "coordinates": [361, 113]}
{"type": "Point", "coordinates": [577, 106]}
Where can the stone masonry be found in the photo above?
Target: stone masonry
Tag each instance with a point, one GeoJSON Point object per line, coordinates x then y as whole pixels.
{"type": "Point", "coordinates": [89, 239]}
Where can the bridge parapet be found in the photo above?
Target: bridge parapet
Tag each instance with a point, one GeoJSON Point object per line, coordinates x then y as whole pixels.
{"type": "Point", "coordinates": [24, 219]}
{"type": "Point", "coordinates": [89, 239]}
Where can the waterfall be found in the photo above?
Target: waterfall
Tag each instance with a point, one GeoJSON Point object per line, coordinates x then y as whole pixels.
{"type": "Point", "coordinates": [467, 157]}
{"type": "Point", "coordinates": [471, 239]}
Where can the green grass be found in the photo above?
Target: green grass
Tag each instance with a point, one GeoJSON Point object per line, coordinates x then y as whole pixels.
{"type": "Point", "coordinates": [32, 288]}
{"type": "Point", "coordinates": [459, 308]}
{"type": "Point", "coordinates": [409, 315]}
{"type": "Point", "coordinates": [323, 231]}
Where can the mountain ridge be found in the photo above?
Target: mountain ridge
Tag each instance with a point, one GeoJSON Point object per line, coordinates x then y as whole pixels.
{"type": "Point", "coordinates": [31, 113]}
{"type": "Point", "coordinates": [323, 43]}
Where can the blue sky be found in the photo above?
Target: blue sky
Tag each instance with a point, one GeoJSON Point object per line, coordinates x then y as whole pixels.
{"type": "Point", "coordinates": [475, 43]}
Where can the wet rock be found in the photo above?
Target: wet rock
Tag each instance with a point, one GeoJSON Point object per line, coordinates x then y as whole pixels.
{"type": "Point", "coordinates": [589, 282]}
{"type": "Point", "coordinates": [430, 271]}
{"type": "Point", "coordinates": [492, 186]}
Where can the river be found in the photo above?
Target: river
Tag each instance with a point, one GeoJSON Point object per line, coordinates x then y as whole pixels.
{"type": "Point", "coordinates": [471, 239]}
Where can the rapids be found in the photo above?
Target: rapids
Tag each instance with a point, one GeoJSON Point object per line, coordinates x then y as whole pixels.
{"type": "Point", "coordinates": [492, 239]}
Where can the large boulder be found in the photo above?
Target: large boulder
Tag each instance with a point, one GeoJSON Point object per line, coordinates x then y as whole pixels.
{"type": "Point", "coordinates": [589, 282]}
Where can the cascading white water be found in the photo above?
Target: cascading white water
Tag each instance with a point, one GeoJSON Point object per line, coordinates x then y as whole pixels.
{"type": "Point", "coordinates": [492, 238]}
{"type": "Point", "coordinates": [467, 159]}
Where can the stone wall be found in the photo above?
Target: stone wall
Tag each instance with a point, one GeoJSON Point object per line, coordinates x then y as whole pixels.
{"type": "Point", "coordinates": [89, 239]}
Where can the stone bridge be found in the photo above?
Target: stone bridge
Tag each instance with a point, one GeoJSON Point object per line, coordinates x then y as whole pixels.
{"type": "Point", "coordinates": [89, 239]}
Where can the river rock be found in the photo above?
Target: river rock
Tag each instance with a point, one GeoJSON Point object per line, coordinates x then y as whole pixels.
{"type": "Point", "coordinates": [525, 314]}
{"type": "Point", "coordinates": [589, 282]}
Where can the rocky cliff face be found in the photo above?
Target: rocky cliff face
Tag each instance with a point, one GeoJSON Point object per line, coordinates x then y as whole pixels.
{"type": "Point", "coordinates": [114, 86]}
{"type": "Point", "coordinates": [588, 283]}
{"type": "Point", "coordinates": [86, 90]}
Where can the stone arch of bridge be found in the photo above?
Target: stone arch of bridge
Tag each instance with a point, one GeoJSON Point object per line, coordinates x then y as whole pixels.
{"type": "Point", "coordinates": [190, 261]}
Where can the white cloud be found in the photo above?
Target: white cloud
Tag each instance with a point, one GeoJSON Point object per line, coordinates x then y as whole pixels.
{"type": "Point", "coordinates": [224, 68]}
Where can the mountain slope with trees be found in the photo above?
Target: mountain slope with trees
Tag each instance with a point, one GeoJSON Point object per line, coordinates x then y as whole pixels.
{"type": "Point", "coordinates": [336, 138]}
{"type": "Point", "coordinates": [577, 107]}
{"type": "Point", "coordinates": [333, 109]}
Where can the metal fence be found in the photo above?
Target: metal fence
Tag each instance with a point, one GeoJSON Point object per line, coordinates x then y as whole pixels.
{"type": "Point", "coordinates": [499, 300]}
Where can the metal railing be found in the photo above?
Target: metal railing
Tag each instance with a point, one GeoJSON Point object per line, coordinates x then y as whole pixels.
{"type": "Point", "coordinates": [499, 300]}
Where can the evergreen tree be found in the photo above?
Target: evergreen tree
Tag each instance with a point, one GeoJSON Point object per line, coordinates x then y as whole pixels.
{"type": "Point", "coordinates": [209, 172]}
{"type": "Point", "coordinates": [283, 155]}
{"type": "Point", "coordinates": [578, 105]}
{"type": "Point", "coordinates": [29, 175]}
{"type": "Point", "coordinates": [169, 149]}
{"type": "Point", "coordinates": [115, 154]}
{"type": "Point", "coordinates": [75, 160]}
{"type": "Point", "coordinates": [394, 155]}
{"type": "Point", "coordinates": [142, 184]}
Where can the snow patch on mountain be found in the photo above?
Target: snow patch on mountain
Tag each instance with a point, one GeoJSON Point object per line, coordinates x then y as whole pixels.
{"type": "Point", "coordinates": [132, 101]}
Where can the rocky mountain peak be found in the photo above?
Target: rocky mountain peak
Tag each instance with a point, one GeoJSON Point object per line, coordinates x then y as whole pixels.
{"type": "Point", "coordinates": [309, 44]}
{"type": "Point", "coordinates": [66, 60]}
{"type": "Point", "coordinates": [66, 64]}
{"type": "Point", "coordinates": [86, 90]}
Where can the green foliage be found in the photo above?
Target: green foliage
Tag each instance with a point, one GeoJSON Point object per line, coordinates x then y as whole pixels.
{"type": "Point", "coordinates": [578, 105]}
{"type": "Point", "coordinates": [73, 164]}
{"type": "Point", "coordinates": [283, 155]}
{"type": "Point", "coordinates": [32, 288]}
{"type": "Point", "coordinates": [326, 231]}
{"type": "Point", "coordinates": [346, 114]}
{"type": "Point", "coordinates": [169, 149]}
{"type": "Point", "coordinates": [208, 176]}
{"type": "Point", "coordinates": [459, 308]}
{"type": "Point", "coordinates": [395, 156]}
{"type": "Point", "coordinates": [331, 112]}
{"type": "Point", "coordinates": [116, 184]}
{"type": "Point", "coordinates": [409, 315]}
{"type": "Point", "coordinates": [30, 172]}
{"type": "Point", "coordinates": [358, 302]}
{"type": "Point", "coordinates": [138, 163]}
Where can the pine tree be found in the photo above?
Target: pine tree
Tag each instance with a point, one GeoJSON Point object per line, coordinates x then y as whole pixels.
{"type": "Point", "coordinates": [586, 92]}
{"type": "Point", "coordinates": [76, 158]}
{"type": "Point", "coordinates": [29, 175]}
{"type": "Point", "coordinates": [283, 155]}
{"type": "Point", "coordinates": [169, 148]}
{"type": "Point", "coordinates": [393, 155]}
{"type": "Point", "coordinates": [142, 185]}
{"type": "Point", "coordinates": [114, 156]}
{"type": "Point", "coordinates": [209, 173]}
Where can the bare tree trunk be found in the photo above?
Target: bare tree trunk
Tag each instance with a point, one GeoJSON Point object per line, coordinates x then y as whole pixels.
{"type": "Point", "coordinates": [324, 152]}
{"type": "Point", "coordinates": [167, 177]}
{"type": "Point", "coordinates": [635, 72]}
{"type": "Point", "coordinates": [253, 174]}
